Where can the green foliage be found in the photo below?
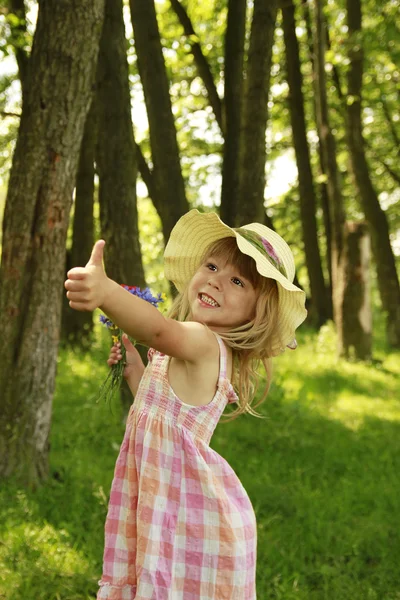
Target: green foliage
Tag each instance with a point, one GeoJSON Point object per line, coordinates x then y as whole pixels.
{"type": "Point", "coordinates": [321, 470]}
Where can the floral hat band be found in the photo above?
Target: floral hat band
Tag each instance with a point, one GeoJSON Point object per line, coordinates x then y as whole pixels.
{"type": "Point", "coordinates": [263, 246]}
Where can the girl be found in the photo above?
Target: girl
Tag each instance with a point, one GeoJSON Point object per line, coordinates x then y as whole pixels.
{"type": "Point", "coordinates": [180, 525]}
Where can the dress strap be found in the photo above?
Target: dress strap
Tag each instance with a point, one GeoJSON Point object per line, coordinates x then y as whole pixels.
{"type": "Point", "coordinates": [223, 368]}
{"type": "Point", "coordinates": [223, 358]}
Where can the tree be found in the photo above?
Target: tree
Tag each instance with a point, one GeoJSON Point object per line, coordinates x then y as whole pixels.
{"type": "Point", "coordinates": [233, 103]}
{"type": "Point", "coordinates": [77, 326]}
{"type": "Point", "coordinates": [116, 160]}
{"type": "Point", "coordinates": [328, 147]}
{"type": "Point", "coordinates": [255, 113]}
{"type": "Point", "coordinates": [58, 95]}
{"type": "Point", "coordinates": [116, 154]}
{"type": "Point", "coordinates": [167, 174]}
{"type": "Point", "coordinates": [388, 280]}
{"type": "Point", "coordinates": [321, 304]}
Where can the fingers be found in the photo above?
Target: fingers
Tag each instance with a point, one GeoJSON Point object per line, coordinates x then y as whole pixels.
{"type": "Point", "coordinates": [96, 258]}
{"type": "Point", "coordinates": [79, 294]}
{"type": "Point", "coordinates": [81, 306]}
{"type": "Point", "coordinates": [75, 285]}
{"type": "Point", "coordinates": [77, 273]}
{"type": "Point", "coordinates": [115, 355]}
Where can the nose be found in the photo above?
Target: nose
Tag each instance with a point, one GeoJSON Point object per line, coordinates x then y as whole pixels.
{"type": "Point", "coordinates": [215, 281]}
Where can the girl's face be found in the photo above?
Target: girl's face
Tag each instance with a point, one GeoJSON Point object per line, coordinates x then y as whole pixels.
{"type": "Point", "coordinates": [220, 297]}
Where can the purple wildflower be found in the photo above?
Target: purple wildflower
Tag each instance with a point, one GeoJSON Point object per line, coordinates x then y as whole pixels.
{"type": "Point", "coordinates": [136, 291]}
{"type": "Point", "coordinates": [144, 294]}
{"type": "Point", "coordinates": [105, 321]}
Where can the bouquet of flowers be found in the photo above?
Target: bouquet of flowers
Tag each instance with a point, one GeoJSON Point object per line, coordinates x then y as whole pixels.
{"type": "Point", "coordinates": [115, 376]}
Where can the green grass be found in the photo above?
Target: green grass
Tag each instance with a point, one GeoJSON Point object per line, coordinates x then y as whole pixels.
{"type": "Point", "coordinates": [322, 470]}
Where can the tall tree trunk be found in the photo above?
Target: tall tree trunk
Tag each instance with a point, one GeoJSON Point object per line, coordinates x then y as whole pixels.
{"type": "Point", "coordinates": [355, 331]}
{"type": "Point", "coordinates": [77, 326]}
{"type": "Point", "coordinates": [115, 154]}
{"type": "Point", "coordinates": [57, 99]}
{"type": "Point", "coordinates": [388, 280]}
{"type": "Point", "coordinates": [324, 200]}
{"type": "Point", "coordinates": [321, 308]}
{"type": "Point", "coordinates": [116, 160]}
{"type": "Point", "coordinates": [233, 102]}
{"type": "Point", "coordinates": [164, 146]}
{"type": "Point", "coordinates": [328, 146]}
{"type": "Point", "coordinates": [255, 113]}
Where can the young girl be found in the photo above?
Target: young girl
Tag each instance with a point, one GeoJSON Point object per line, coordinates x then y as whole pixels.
{"type": "Point", "coordinates": [180, 525]}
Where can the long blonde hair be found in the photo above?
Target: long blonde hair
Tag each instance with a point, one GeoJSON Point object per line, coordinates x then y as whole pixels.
{"type": "Point", "coordinates": [250, 343]}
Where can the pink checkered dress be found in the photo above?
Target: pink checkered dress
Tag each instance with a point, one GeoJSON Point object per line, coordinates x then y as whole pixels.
{"type": "Point", "coordinates": [180, 525]}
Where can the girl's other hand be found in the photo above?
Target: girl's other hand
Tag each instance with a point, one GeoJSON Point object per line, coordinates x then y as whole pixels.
{"type": "Point", "coordinates": [133, 358]}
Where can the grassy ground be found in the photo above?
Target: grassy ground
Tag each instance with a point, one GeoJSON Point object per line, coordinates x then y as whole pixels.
{"type": "Point", "coordinates": [322, 470]}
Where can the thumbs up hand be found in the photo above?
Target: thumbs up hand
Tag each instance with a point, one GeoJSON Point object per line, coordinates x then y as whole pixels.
{"type": "Point", "coordinates": [88, 286]}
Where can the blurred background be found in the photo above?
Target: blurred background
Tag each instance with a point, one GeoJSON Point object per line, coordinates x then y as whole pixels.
{"type": "Point", "coordinates": [116, 118]}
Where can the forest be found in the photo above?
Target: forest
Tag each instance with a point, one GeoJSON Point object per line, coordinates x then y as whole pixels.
{"type": "Point", "coordinates": [116, 118]}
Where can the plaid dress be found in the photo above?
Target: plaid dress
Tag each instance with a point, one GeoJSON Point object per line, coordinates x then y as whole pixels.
{"type": "Point", "coordinates": [180, 525]}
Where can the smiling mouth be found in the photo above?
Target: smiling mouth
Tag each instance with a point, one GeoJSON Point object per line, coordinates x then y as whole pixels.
{"type": "Point", "coordinates": [208, 300]}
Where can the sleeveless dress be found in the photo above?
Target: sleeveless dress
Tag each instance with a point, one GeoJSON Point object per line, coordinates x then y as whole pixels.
{"type": "Point", "coordinates": [180, 525]}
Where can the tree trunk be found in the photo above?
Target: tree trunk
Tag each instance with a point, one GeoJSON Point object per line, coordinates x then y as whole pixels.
{"type": "Point", "coordinates": [355, 327]}
{"type": "Point", "coordinates": [328, 147]}
{"type": "Point", "coordinates": [388, 280]}
{"type": "Point", "coordinates": [233, 102]}
{"type": "Point", "coordinates": [324, 199]}
{"type": "Point", "coordinates": [255, 114]}
{"type": "Point", "coordinates": [164, 146]}
{"type": "Point", "coordinates": [321, 305]}
{"type": "Point", "coordinates": [116, 160]}
{"type": "Point", "coordinates": [115, 154]}
{"type": "Point", "coordinates": [58, 95]}
{"type": "Point", "coordinates": [77, 326]}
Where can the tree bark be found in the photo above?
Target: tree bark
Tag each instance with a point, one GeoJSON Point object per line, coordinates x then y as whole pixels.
{"type": "Point", "coordinates": [355, 329]}
{"type": "Point", "coordinates": [233, 102]}
{"type": "Point", "coordinates": [328, 147]}
{"type": "Point", "coordinates": [324, 199]}
{"type": "Point", "coordinates": [77, 326]}
{"type": "Point", "coordinates": [115, 154]}
{"type": "Point", "coordinates": [116, 160]}
{"type": "Point", "coordinates": [388, 280]}
{"type": "Point", "coordinates": [255, 114]}
{"type": "Point", "coordinates": [167, 172]}
{"type": "Point", "coordinates": [321, 306]}
{"type": "Point", "coordinates": [58, 95]}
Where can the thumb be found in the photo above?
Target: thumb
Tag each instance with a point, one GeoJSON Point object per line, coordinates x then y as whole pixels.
{"type": "Point", "coordinates": [96, 258]}
{"type": "Point", "coordinates": [127, 343]}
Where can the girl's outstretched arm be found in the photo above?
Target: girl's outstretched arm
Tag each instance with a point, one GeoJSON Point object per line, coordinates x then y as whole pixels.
{"type": "Point", "coordinates": [89, 288]}
{"type": "Point", "coordinates": [134, 367]}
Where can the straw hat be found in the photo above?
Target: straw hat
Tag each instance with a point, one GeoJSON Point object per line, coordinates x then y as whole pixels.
{"type": "Point", "coordinates": [195, 232]}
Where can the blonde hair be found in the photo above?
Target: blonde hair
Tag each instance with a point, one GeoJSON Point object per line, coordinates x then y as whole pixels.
{"type": "Point", "coordinates": [250, 342]}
